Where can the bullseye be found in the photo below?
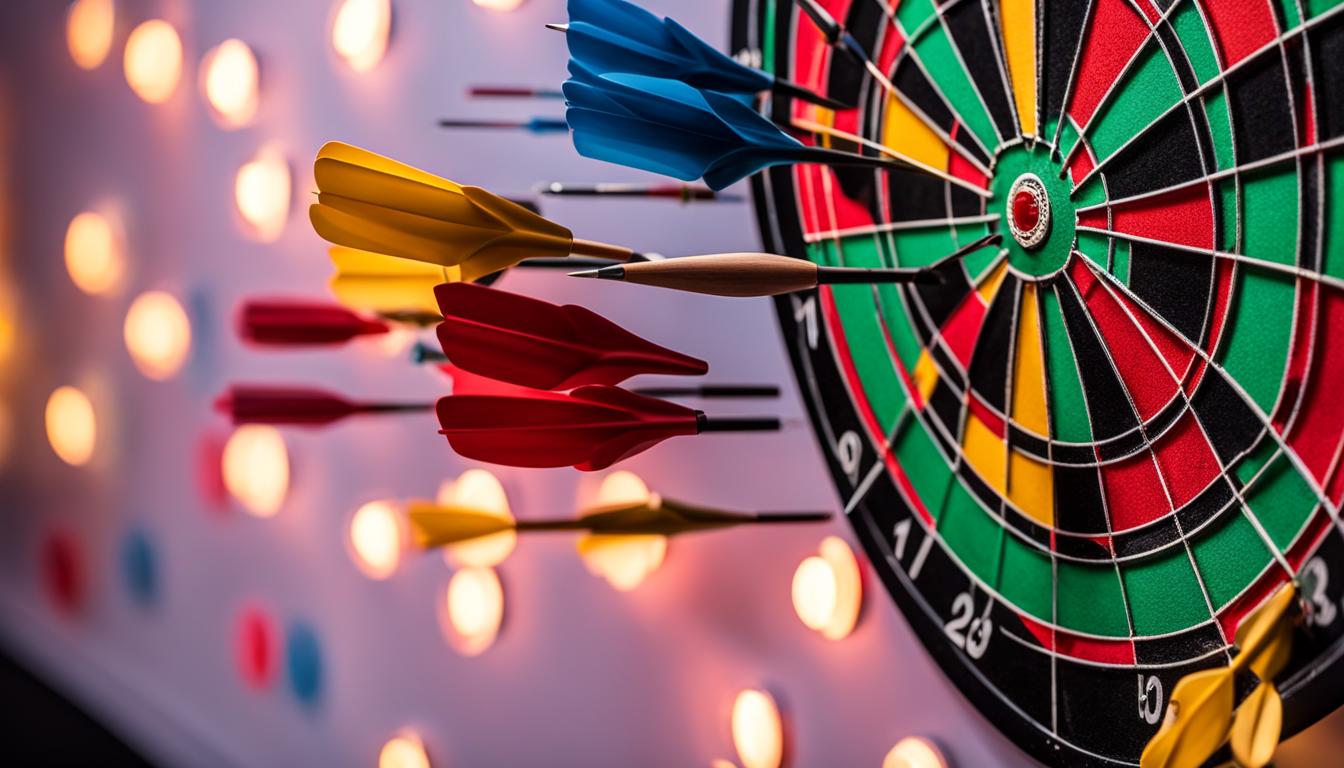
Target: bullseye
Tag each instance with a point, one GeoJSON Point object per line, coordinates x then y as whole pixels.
{"type": "Point", "coordinates": [1028, 210]}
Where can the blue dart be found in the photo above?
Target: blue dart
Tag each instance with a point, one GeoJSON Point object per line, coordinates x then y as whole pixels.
{"type": "Point", "coordinates": [617, 36]}
{"type": "Point", "coordinates": [670, 127]}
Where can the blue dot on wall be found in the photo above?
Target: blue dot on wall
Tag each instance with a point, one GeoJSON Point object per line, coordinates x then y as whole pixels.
{"type": "Point", "coordinates": [140, 566]}
{"type": "Point", "coordinates": [303, 660]}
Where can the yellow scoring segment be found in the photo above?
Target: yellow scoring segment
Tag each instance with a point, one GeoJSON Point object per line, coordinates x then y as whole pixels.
{"type": "Point", "coordinates": [985, 451]}
{"type": "Point", "coordinates": [1019, 37]}
{"type": "Point", "coordinates": [903, 131]}
{"type": "Point", "coordinates": [1030, 484]}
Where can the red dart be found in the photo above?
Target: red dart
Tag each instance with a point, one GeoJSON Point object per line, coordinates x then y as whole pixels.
{"type": "Point", "coordinates": [299, 406]}
{"type": "Point", "coordinates": [589, 428]}
{"type": "Point", "coordinates": [542, 345]}
{"type": "Point", "coordinates": [282, 322]}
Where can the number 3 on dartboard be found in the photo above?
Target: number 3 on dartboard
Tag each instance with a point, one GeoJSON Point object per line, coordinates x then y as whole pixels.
{"type": "Point", "coordinates": [1150, 699]}
{"type": "Point", "coordinates": [970, 634]}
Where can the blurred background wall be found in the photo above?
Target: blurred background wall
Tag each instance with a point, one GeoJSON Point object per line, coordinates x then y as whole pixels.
{"type": "Point", "coordinates": [127, 586]}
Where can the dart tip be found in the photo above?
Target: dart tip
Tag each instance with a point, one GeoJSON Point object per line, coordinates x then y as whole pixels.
{"type": "Point", "coordinates": [614, 272]}
{"type": "Point", "coordinates": [558, 27]}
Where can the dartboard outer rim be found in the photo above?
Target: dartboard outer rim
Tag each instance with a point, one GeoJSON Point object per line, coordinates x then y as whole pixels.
{"type": "Point", "coordinates": [1308, 695]}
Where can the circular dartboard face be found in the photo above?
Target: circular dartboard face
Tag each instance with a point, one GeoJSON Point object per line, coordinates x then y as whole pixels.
{"type": "Point", "coordinates": [1080, 460]}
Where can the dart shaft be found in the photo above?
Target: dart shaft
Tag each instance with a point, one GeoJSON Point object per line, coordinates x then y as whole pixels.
{"type": "Point", "coordinates": [682, 192]}
{"type": "Point", "coordinates": [513, 92]}
{"type": "Point", "coordinates": [741, 424]}
{"type": "Point", "coordinates": [710, 391]}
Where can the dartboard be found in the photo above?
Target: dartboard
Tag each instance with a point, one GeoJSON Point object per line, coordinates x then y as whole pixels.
{"type": "Point", "coordinates": [1085, 455]}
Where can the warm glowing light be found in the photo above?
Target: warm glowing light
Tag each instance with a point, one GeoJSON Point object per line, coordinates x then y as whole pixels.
{"type": "Point", "coordinates": [93, 253]}
{"type": "Point", "coordinates": [256, 468]}
{"type": "Point", "coordinates": [158, 334]}
{"type": "Point", "coordinates": [480, 490]}
{"type": "Point", "coordinates": [229, 77]}
{"type": "Point", "coordinates": [719, 762]}
{"type": "Point", "coordinates": [262, 192]}
{"type": "Point", "coordinates": [153, 60]}
{"type": "Point", "coordinates": [624, 561]}
{"type": "Point", "coordinates": [377, 537]}
{"type": "Point", "coordinates": [88, 31]}
{"type": "Point", "coordinates": [499, 5]}
{"type": "Point", "coordinates": [403, 751]}
{"type": "Point", "coordinates": [827, 590]}
{"type": "Point", "coordinates": [914, 752]}
{"type": "Point", "coordinates": [9, 321]}
{"type": "Point", "coordinates": [472, 609]}
{"type": "Point", "coordinates": [360, 32]}
{"type": "Point", "coordinates": [758, 733]}
{"type": "Point", "coordinates": [71, 427]}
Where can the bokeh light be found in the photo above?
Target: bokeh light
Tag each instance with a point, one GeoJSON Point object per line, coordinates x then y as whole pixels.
{"type": "Point", "coordinates": [472, 610]}
{"type": "Point", "coordinates": [481, 491]}
{"type": "Point", "coordinates": [914, 752]}
{"type": "Point", "coordinates": [303, 663]}
{"type": "Point", "coordinates": [624, 561]}
{"type": "Point", "coordinates": [405, 750]}
{"type": "Point", "coordinates": [230, 80]}
{"type": "Point", "coordinates": [758, 732]}
{"type": "Point", "coordinates": [256, 468]}
{"type": "Point", "coordinates": [262, 191]}
{"type": "Point", "coordinates": [255, 647]}
{"type": "Point", "coordinates": [72, 429]}
{"type": "Point", "coordinates": [377, 537]}
{"type": "Point", "coordinates": [88, 31]}
{"type": "Point", "coordinates": [93, 252]}
{"type": "Point", "coordinates": [153, 60]}
{"type": "Point", "coordinates": [9, 321]}
{"type": "Point", "coordinates": [64, 575]}
{"type": "Point", "coordinates": [360, 32]}
{"type": "Point", "coordinates": [499, 5]}
{"type": "Point", "coordinates": [157, 334]}
{"type": "Point", "coordinates": [827, 590]}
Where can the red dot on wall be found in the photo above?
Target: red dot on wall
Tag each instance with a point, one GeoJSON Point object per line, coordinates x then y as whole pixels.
{"type": "Point", "coordinates": [256, 649]}
{"type": "Point", "coordinates": [209, 475]}
{"type": "Point", "coordinates": [63, 571]}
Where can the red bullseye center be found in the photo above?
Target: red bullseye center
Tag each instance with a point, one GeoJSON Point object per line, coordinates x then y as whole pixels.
{"type": "Point", "coordinates": [1026, 210]}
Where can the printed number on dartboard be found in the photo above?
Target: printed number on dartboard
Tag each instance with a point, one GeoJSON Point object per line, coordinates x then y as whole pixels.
{"type": "Point", "coordinates": [970, 632]}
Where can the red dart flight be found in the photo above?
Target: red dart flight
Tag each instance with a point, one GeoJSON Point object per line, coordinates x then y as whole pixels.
{"type": "Point", "coordinates": [282, 322]}
{"type": "Point", "coordinates": [537, 344]}
{"type": "Point", "coordinates": [589, 428]}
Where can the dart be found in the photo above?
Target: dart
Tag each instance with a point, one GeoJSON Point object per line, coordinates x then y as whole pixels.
{"type": "Point", "coordinates": [467, 383]}
{"type": "Point", "coordinates": [835, 33]}
{"type": "Point", "coordinates": [371, 203]}
{"type": "Point", "coordinates": [537, 344]}
{"type": "Point", "coordinates": [684, 192]}
{"type": "Point", "coordinates": [280, 322]}
{"type": "Point", "coordinates": [1200, 714]}
{"type": "Point", "coordinates": [668, 127]}
{"type": "Point", "coordinates": [532, 125]}
{"type": "Point", "coordinates": [437, 525]}
{"type": "Point", "coordinates": [297, 406]}
{"type": "Point", "coordinates": [512, 92]}
{"type": "Point", "coordinates": [400, 288]}
{"type": "Point", "coordinates": [763, 274]}
{"type": "Point", "coordinates": [616, 36]}
{"type": "Point", "coordinates": [589, 428]}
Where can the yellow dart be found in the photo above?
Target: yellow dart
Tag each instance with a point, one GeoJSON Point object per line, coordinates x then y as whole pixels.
{"type": "Point", "coordinates": [373, 282]}
{"type": "Point", "coordinates": [1256, 729]}
{"type": "Point", "coordinates": [372, 203]}
{"type": "Point", "coordinates": [1199, 716]}
{"type": "Point", "coordinates": [437, 525]}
